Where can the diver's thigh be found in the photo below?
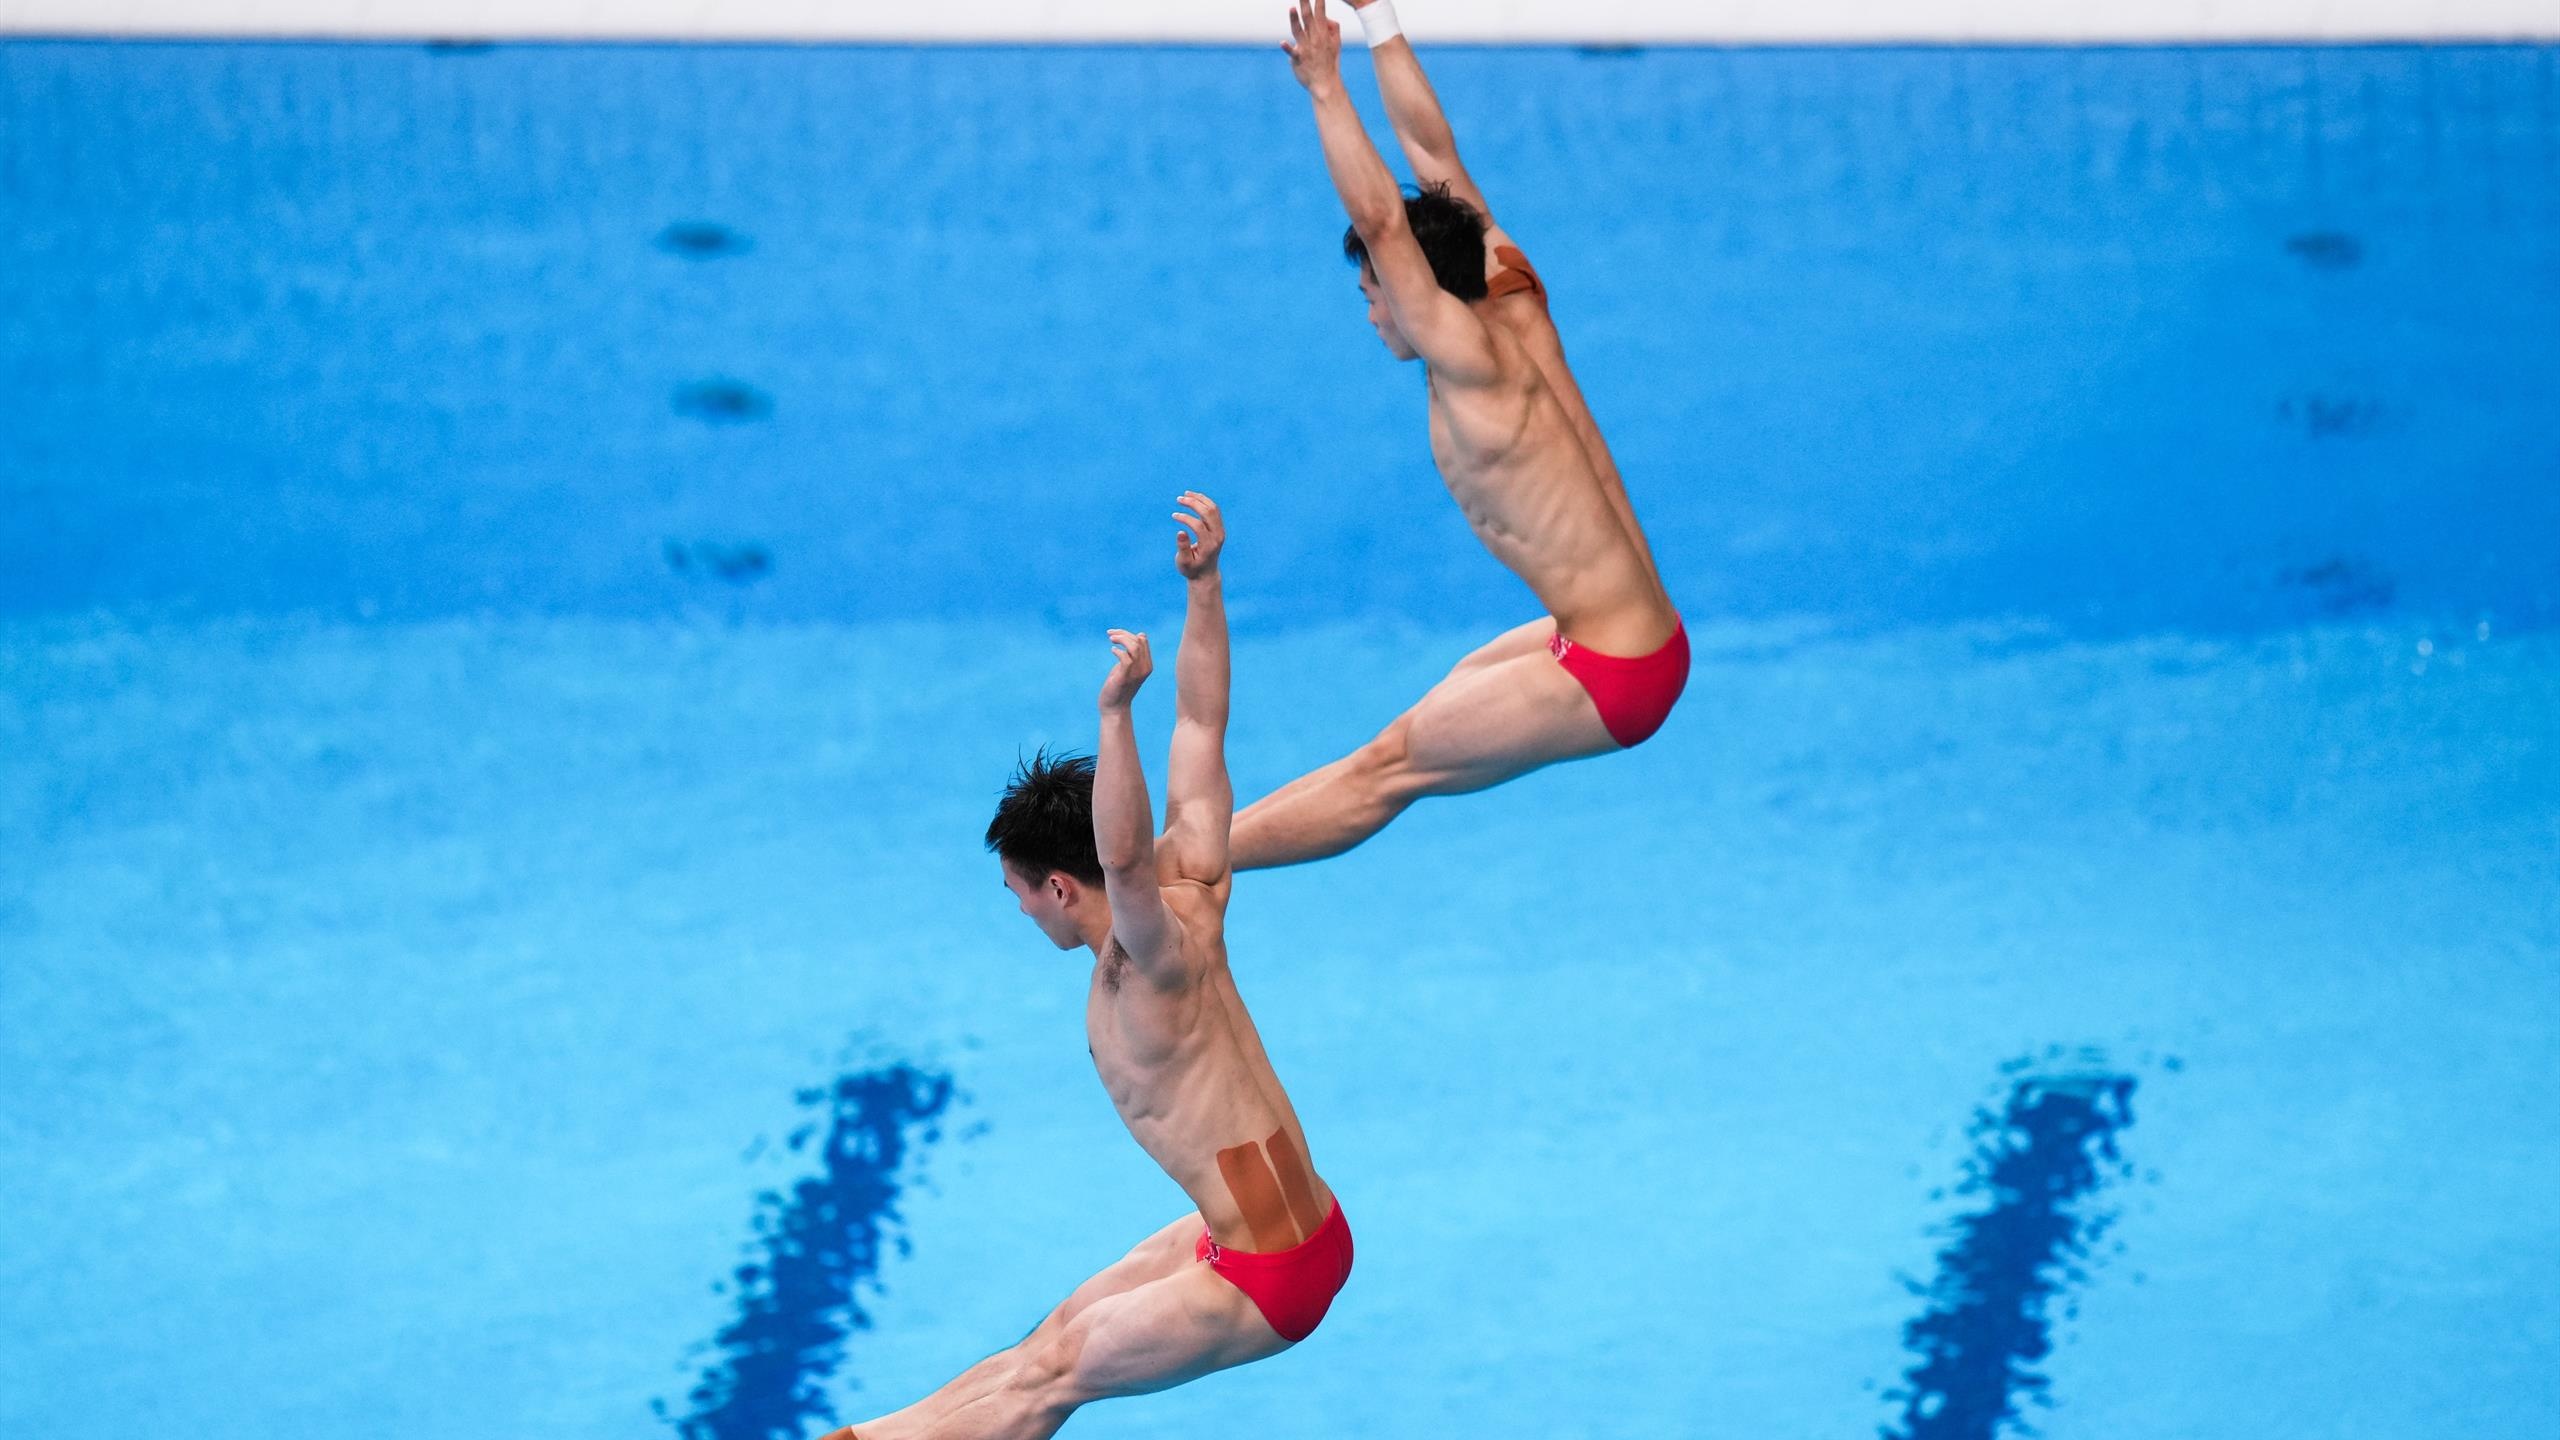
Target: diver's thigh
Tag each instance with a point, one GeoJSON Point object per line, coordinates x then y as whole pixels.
{"type": "Point", "coordinates": [1165, 1333]}
{"type": "Point", "coordinates": [1151, 1259]}
{"type": "Point", "coordinates": [1519, 640]}
{"type": "Point", "coordinates": [1501, 722]}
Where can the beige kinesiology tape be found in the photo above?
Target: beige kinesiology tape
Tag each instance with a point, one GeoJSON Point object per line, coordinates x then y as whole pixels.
{"type": "Point", "coordinates": [1273, 1190]}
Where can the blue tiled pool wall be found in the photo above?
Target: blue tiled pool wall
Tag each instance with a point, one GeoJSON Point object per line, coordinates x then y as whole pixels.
{"type": "Point", "coordinates": [2117, 339]}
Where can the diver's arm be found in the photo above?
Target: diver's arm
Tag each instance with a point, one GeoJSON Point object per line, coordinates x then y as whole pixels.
{"type": "Point", "coordinates": [1442, 330]}
{"type": "Point", "coordinates": [1124, 825]}
{"type": "Point", "coordinates": [1199, 796]}
{"type": "Point", "coordinates": [1361, 180]}
{"type": "Point", "coordinates": [1421, 126]}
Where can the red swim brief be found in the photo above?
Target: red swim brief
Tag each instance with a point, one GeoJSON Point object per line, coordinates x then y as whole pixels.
{"type": "Point", "coordinates": [1293, 1287]}
{"type": "Point", "coordinates": [1634, 696]}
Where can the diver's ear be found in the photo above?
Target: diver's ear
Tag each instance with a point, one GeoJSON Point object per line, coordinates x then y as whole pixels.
{"type": "Point", "coordinates": [1058, 886]}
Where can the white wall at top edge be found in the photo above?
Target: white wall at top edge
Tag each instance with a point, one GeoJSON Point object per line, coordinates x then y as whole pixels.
{"type": "Point", "coordinates": [1260, 21]}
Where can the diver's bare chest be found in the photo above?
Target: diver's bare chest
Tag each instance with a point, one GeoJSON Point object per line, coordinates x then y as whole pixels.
{"type": "Point", "coordinates": [1130, 1041]}
{"type": "Point", "coordinates": [1140, 1087]}
{"type": "Point", "coordinates": [1486, 481]}
{"type": "Point", "coordinates": [1483, 493]}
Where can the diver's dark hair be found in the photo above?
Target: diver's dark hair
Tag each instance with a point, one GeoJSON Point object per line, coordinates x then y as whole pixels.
{"type": "Point", "coordinates": [1451, 233]}
{"type": "Point", "coordinates": [1045, 821]}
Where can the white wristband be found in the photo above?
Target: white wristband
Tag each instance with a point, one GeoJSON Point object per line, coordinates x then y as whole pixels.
{"type": "Point", "coordinates": [1378, 22]}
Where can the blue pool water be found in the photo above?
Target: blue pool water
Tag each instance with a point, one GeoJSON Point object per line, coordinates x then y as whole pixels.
{"type": "Point", "coordinates": [523, 570]}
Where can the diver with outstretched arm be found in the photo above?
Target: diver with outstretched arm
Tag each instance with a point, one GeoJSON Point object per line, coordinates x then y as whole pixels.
{"type": "Point", "coordinates": [1254, 1267]}
{"type": "Point", "coordinates": [1516, 448]}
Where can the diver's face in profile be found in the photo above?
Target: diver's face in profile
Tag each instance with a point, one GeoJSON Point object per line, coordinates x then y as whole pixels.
{"type": "Point", "coordinates": [1048, 901]}
{"type": "Point", "coordinates": [1381, 318]}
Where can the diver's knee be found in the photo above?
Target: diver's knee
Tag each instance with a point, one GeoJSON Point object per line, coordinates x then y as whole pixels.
{"type": "Point", "coordinates": [1385, 765]}
{"type": "Point", "coordinates": [1049, 1370]}
{"type": "Point", "coordinates": [1390, 751]}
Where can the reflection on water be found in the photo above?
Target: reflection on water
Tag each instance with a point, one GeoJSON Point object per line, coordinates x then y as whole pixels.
{"type": "Point", "coordinates": [815, 1247]}
{"type": "Point", "coordinates": [2038, 1163]}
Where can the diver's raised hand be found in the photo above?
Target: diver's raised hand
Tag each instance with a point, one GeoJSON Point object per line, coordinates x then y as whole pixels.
{"type": "Point", "coordinates": [1314, 46]}
{"type": "Point", "coordinates": [1202, 533]}
{"type": "Point", "coordinates": [1131, 665]}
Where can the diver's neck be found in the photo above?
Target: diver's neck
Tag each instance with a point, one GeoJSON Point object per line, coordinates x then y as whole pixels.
{"type": "Point", "coordinates": [1093, 923]}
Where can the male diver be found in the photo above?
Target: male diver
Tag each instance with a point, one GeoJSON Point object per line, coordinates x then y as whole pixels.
{"type": "Point", "coordinates": [1519, 452]}
{"type": "Point", "coordinates": [1252, 1270]}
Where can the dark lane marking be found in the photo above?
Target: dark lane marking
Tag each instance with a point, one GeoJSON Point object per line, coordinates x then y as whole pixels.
{"type": "Point", "coordinates": [2328, 417]}
{"type": "Point", "coordinates": [702, 240]}
{"type": "Point", "coordinates": [2326, 249]}
{"type": "Point", "coordinates": [2342, 585]}
{"type": "Point", "coordinates": [815, 1247]}
{"type": "Point", "coordinates": [2038, 1162]}
{"type": "Point", "coordinates": [742, 564]}
{"type": "Point", "coordinates": [723, 402]}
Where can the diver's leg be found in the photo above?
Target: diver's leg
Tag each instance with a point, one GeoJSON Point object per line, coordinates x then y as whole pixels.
{"type": "Point", "coordinates": [1486, 723]}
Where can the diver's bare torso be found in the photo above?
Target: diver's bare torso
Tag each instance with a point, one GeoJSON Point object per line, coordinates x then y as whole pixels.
{"type": "Point", "coordinates": [1524, 315]}
{"type": "Point", "coordinates": [1524, 475]}
{"type": "Point", "coordinates": [1186, 1069]}
{"type": "Point", "coordinates": [1519, 454]}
